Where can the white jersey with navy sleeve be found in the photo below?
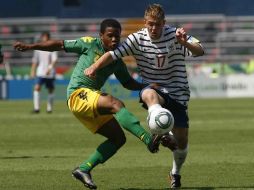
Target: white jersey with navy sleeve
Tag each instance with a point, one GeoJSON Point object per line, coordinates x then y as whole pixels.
{"type": "Point", "coordinates": [44, 59]}
{"type": "Point", "coordinates": [160, 61]}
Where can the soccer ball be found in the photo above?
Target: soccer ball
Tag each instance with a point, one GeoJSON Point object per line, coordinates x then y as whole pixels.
{"type": "Point", "coordinates": [160, 121]}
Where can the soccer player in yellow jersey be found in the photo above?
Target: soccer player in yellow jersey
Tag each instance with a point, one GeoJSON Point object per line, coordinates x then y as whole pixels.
{"type": "Point", "coordinates": [90, 106]}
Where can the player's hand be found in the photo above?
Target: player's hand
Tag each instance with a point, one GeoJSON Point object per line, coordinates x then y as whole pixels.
{"type": "Point", "coordinates": [181, 36]}
{"type": "Point", "coordinates": [49, 69]}
{"type": "Point", "coordinates": [90, 72]}
{"type": "Point", "coordinates": [48, 72]}
{"type": "Point", "coordinates": [19, 46]}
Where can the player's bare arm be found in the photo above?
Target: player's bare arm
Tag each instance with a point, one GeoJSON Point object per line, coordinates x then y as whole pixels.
{"type": "Point", "coordinates": [33, 70]}
{"type": "Point", "coordinates": [100, 63]}
{"type": "Point", "coordinates": [51, 66]}
{"type": "Point", "coordinates": [195, 48]}
{"type": "Point", "coordinates": [50, 45]}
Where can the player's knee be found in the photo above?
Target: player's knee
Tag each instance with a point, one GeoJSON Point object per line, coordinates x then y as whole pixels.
{"type": "Point", "coordinates": [119, 141]}
{"type": "Point", "coordinates": [181, 136]}
{"type": "Point", "coordinates": [51, 90]}
{"type": "Point", "coordinates": [149, 95]}
{"type": "Point", "coordinates": [37, 88]}
{"type": "Point", "coordinates": [117, 105]}
{"type": "Point", "coordinates": [182, 145]}
{"type": "Point", "coordinates": [182, 142]}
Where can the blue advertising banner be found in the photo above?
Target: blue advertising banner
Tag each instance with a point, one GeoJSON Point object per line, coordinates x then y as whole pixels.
{"type": "Point", "coordinates": [23, 89]}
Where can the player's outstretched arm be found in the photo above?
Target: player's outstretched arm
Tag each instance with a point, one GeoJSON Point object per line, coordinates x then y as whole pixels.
{"type": "Point", "coordinates": [103, 61]}
{"type": "Point", "coordinates": [50, 45]}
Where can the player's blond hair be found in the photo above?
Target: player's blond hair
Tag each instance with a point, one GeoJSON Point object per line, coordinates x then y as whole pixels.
{"type": "Point", "coordinates": [155, 11]}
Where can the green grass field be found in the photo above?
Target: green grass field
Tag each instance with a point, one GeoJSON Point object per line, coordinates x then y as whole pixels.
{"type": "Point", "coordinates": [38, 152]}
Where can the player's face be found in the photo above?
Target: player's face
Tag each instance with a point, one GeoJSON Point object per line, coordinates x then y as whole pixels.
{"type": "Point", "coordinates": [44, 38]}
{"type": "Point", "coordinates": [154, 27]}
{"type": "Point", "coordinates": [111, 38]}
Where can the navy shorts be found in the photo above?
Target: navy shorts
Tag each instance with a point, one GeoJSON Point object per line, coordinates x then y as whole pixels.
{"type": "Point", "coordinates": [49, 82]}
{"type": "Point", "coordinates": [179, 111]}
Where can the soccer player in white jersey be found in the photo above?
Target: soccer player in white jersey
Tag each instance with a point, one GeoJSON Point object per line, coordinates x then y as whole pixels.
{"type": "Point", "coordinates": [160, 52]}
{"type": "Point", "coordinates": [43, 63]}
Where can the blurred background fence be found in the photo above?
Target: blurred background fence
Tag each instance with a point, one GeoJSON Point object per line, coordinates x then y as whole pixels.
{"type": "Point", "coordinates": [228, 42]}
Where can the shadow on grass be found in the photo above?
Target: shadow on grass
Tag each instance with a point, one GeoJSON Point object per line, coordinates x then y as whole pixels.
{"type": "Point", "coordinates": [191, 188]}
{"type": "Point", "coordinates": [214, 188]}
{"type": "Point", "coordinates": [32, 157]}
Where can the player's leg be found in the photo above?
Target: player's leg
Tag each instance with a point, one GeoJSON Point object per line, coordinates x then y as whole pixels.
{"type": "Point", "coordinates": [180, 132]}
{"type": "Point", "coordinates": [178, 142]}
{"type": "Point", "coordinates": [179, 156]}
{"type": "Point", "coordinates": [151, 99]}
{"type": "Point", "coordinates": [108, 104]}
{"type": "Point", "coordinates": [115, 140]}
{"type": "Point", "coordinates": [51, 87]}
{"type": "Point", "coordinates": [36, 94]}
{"type": "Point", "coordinates": [83, 104]}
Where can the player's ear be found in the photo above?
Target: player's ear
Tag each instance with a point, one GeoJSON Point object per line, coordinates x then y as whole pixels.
{"type": "Point", "coordinates": [144, 21]}
{"type": "Point", "coordinates": [101, 35]}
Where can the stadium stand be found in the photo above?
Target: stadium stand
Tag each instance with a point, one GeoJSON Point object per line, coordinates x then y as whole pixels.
{"type": "Point", "coordinates": [227, 39]}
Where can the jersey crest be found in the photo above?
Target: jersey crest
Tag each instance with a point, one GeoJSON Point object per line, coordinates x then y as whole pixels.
{"type": "Point", "coordinates": [88, 39]}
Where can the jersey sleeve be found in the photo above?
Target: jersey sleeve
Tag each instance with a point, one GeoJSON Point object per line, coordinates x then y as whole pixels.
{"type": "Point", "coordinates": [54, 56]}
{"type": "Point", "coordinates": [121, 72]}
{"type": "Point", "coordinates": [79, 45]}
{"type": "Point", "coordinates": [128, 47]}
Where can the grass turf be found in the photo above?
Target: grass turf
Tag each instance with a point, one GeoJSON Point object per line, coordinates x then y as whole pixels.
{"type": "Point", "coordinates": [38, 152]}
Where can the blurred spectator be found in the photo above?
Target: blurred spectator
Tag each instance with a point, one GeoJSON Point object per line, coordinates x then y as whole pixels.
{"type": "Point", "coordinates": [15, 29]}
{"type": "Point", "coordinates": [1, 55]}
{"type": "Point", "coordinates": [81, 28]}
{"type": "Point", "coordinates": [250, 67]}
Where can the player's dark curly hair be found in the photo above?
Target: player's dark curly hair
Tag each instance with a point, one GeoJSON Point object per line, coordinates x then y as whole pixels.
{"type": "Point", "coordinates": [109, 23]}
